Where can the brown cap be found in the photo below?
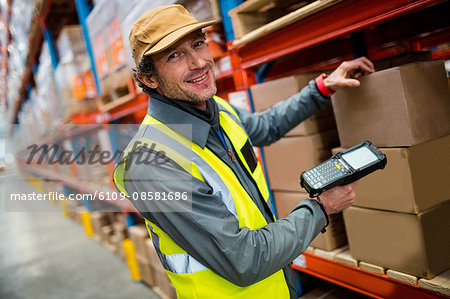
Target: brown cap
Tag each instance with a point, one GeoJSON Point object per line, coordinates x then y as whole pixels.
{"type": "Point", "coordinates": [160, 28]}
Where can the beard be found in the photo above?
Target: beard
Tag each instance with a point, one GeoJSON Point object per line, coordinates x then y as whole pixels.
{"type": "Point", "coordinates": [171, 89]}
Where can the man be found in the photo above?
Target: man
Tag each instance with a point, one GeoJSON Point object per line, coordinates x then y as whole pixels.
{"type": "Point", "coordinates": [203, 195]}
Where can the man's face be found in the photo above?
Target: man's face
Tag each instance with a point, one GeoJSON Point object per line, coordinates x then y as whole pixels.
{"type": "Point", "coordinates": [186, 70]}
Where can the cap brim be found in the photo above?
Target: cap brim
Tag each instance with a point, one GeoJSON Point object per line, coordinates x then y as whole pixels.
{"type": "Point", "coordinates": [175, 36]}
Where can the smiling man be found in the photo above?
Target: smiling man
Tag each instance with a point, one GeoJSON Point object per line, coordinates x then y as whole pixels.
{"type": "Point", "coordinates": [207, 206]}
{"type": "Point", "coordinates": [187, 69]}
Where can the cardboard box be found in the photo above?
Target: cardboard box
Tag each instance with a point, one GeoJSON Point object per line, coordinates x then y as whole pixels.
{"type": "Point", "coordinates": [151, 254]}
{"type": "Point", "coordinates": [401, 106]}
{"type": "Point", "coordinates": [138, 235]}
{"type": "Point", "coordinates": [415, 179]}
{"type": "Point", "coordinates": [98, 220]}
{"type": "Point", "coordinates": [285, 202]}
{"type": "Point", "coordinates": [117, 243]}
{"type": "Point", "coordinates": [288, 157]}
{"type": "Point", "coordinates": [146, 271]}
{"type": "Point", "coordinates": [163, 282]}
{"type": "Point", "coordinates": [320, 122]}
{"type": "Point", "coordinates": [106, 234]}
{"type": "Point", "coordinates": [70, 43]}
{"type": "Point", "coordinates": [267, 94]}
{"type": "Point", "coordinates": [415, 244]}
{"type": "Point", "coordinates": [334, 236]}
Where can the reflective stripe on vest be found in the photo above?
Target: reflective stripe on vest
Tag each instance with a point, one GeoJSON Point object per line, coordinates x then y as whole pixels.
{"type": "Point", "coordinates": [187, 274]}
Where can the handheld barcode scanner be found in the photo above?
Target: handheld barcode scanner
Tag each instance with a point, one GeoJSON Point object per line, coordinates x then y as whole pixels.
{"type": "Point", "coordinates": [343, 168]}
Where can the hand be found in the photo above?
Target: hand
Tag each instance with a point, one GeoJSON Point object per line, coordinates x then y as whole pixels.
{"type": "Point", "coordinates": [347, 73]}
{"type": "Point", "coordinates": [338, 198]}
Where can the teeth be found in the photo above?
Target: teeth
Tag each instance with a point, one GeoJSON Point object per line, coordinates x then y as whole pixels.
{"type": "Point", "coordinates": [199, 79]}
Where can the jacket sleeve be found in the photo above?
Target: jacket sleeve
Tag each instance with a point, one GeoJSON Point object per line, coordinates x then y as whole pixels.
{"type": "Point", "coordinates": [266, 127]}
{"type": "Point", "coordinates": [210, 233]}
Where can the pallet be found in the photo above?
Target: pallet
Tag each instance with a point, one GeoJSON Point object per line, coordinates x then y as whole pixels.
{"type": "Point", "coordinates": [117, 88]}
{"type": "Point", "coordinates": [439, 284]}
{"type": "Point", "coordinates": [80, 107]}
{"type": "Point", "coordinates": [160, 293]}
{"type": "Point", "coordinates": [257, 18]}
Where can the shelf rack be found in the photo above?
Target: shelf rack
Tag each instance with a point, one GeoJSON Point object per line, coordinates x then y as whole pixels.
{"type": "Point", "coordinates": [368, 283]}
{"type": "Point", "coordinates": [391, 27]}
{"type": "Point", "coordinates": [4, 50]}
{"type": "Point", "coordinates": [332, 23]}
{"type": "Point", "coordinates": [34, 41]}
{"type": "Point", "coordinates": [304, 46]}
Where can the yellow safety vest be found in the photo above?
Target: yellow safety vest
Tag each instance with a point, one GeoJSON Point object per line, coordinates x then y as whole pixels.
{"type": "Point", "coordinates": [190, 278]}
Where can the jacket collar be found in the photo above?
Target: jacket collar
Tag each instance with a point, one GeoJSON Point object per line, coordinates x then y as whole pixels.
{"type": "Point", "coordinates": [180, 121]}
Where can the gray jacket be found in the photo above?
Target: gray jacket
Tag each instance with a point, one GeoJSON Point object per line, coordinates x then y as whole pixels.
{"type": "Point", "coordinates": [207, 230]}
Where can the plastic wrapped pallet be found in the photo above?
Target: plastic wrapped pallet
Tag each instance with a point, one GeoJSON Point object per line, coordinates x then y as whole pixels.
{"type": "Point", "coordinates": [46, 93]}
{"type": "Point", "coordinates": [20, 20]}
{"type": "Point", "coordinates": [104, 23]}
{"type": "Point", "coordinates": [127, 21]}
{"type": "Point", "coordinates": [73, 74]}
{"type": "Point", "coordinates": [202, 10]}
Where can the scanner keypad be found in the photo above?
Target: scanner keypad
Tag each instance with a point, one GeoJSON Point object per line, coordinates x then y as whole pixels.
{"type": "Point", "coordinates": [325, 172]}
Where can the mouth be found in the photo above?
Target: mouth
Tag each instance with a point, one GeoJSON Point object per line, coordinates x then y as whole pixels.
{"type": "Point", "coordinates": [199, 80]}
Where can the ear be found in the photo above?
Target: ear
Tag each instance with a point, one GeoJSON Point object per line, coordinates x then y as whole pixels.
{"type": "Point", "coordinates": [149, 81]}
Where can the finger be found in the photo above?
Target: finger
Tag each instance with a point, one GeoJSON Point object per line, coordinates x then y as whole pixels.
{"type": "Point", "coordinates": [352, 195]}
{"type": "Point", "coordinates": [349, 83]}
{"type": "Point", "coordinates": [365, 67]}
{"type": "Point", "coordinates": [366, 62]}
{"type": "Point", "coordinates": [350, 187]}
{"type": "Point", "coordinates": [353, 184]}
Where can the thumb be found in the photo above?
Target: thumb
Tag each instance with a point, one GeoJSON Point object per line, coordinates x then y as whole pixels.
{"type": "Point", "coordinates": [350, 83]}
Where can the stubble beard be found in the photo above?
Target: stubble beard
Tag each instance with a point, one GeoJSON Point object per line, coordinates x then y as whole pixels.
{"type": "Point", "coordinates": [171, 90]}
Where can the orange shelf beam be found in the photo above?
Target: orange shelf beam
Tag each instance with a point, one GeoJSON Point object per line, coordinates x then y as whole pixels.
{"type": "Point", "coordinates": [370, 284]}
{"type": "Point", "coordinates": [341, 19]}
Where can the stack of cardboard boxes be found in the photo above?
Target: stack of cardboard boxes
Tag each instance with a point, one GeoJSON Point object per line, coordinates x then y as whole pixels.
{"type": "Point", "coordinates": [104, 24]}
{"type": "Point", "coordinates": [139, 235]}
{"type": "Point", "coordinates": [73, 76]}
{"type": "Point", "coordinates": [150, 267]}
{"type": "Point", "coordinates": [110, 228]}
{"type": "Point", "coordinates": [162, 281]}
{"type": "Point", "coordinates": [400, 217]}
{"type": "Point", "coordinates": [302, 148]}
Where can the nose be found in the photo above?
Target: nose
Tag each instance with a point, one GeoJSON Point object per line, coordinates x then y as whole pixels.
{"type": "Point", "coordinates": [196, 60]}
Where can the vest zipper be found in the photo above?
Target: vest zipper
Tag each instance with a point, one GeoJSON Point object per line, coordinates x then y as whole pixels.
{"type": "Point", "coordinates": [231, 156]}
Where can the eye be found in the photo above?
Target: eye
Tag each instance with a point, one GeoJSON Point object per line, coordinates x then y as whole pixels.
{"type": "Point", "coordinates": [199, 43]}
{"type": "Point", "coordinates": [174, 56]}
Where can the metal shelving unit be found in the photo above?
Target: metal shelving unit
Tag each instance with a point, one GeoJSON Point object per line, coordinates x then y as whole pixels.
{"type": "Point", "coordinates": [370, 284]}
{"type": "Point", "coordinates": [311, 38]}
{"type": "Point", "coordinates": [335, 22]}
{"type": "Point", "coordinates": [390, 28]}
